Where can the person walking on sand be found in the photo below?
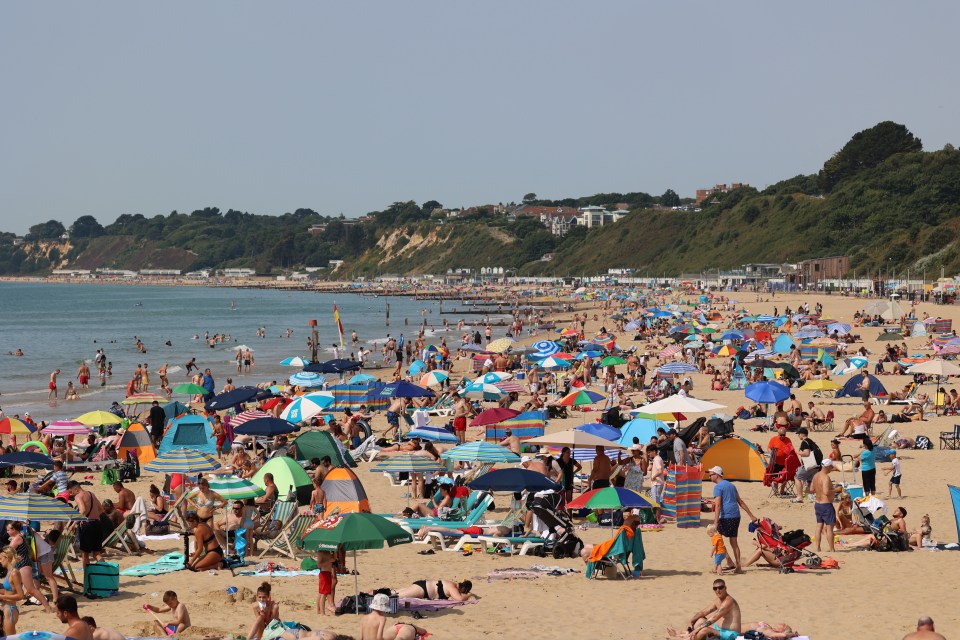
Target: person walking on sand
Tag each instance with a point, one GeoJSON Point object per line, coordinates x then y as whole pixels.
{"type": "Point", "coordinates": [826, 515]}
{"type": "Point", "coordinates": [53, 384]}
{"type": "Point", "coordinates": [726, 512]}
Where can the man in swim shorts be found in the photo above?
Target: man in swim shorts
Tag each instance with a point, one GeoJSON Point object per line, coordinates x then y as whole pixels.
{"type": "Point", "coordinates": [720, 619]}
{"type": "Point", "coordinates": [53, 384]}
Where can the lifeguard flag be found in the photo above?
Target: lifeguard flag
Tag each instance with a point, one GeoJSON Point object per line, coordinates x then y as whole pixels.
{"type": "Point", "coordinates": [336, 318]}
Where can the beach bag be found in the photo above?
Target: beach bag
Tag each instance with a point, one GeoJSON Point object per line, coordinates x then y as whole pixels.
{"type": "Point", "coordinates": [158, 528]}
{"type": "Point", "coordinates": [108, 476]}
{"type": "Point", "coordinates": [923, 443]}
{"type": "Point", "coordinates": [101, 579]}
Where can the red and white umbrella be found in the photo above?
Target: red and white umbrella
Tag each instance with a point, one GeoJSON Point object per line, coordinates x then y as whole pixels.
{"type": "Point", "coordinates": [67, 428]}
{"type": "Point", "coordinates": [247, 416]}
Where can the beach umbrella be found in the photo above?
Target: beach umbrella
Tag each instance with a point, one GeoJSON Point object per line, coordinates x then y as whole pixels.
{"type": "Point", "coordinates": [480, 451]}
{"type": "Point", "coordinates": [680, 404]}
{"type": "Point", "coordinates": [574, 438]}
{"type": "Point", "coordinates": [16, 427]}
{"type": "Point", "coordinates": [482, 391]}
{"type": "Point", "coordinates": [352, 532]}
{"type": "Point", "coordinates": [612, 498]}
{"type": "Point", "coordinates": [611, 361]}
{"type": "Point", "coordinates": [514, 479]}
{"type": "Point", "coordinates": [306, 406]}
{"type": "Point", "coordinates": [67, 428]}
{"type": "Point", "coordinates": [581, 397]}
{"type": "Point", "coordinates": [434, 434]}
{"type": "Point", "coordinates": [99, 418]}
{"type": "Point", "coordinates": [553, 362]}
{"type": "Point", "coordinates": [434, 378]}
{"type": "Point", "coordinates": [234, 488]}
{"type": "Point", "coordinates": [839, 327]}
{"type": "Point", "coordinates": [767, 392]}
{"type": "Point", "coordinates": [190, 389]}
{"type": "Point", "coordinates": [676, 368]}
{"type": "Point", "coordinates": [583, 355]}
{"type": "Point", "coordinates": [935, 368]}
{"type": "Point", "coordinates": [494, 377]}
{"type": "Point", "coordinates": [725, 350]}
{"type": "Point", "coordinates": [407, 463]}
{"type": "Point", "coordinates": [820, 385]}
{"type": "Point", "coordinates": [144, 398]}
{"type": "Point", "coordinates": [24, 507]}
{"type": "Point", "coordinates": [29, 459]}
{"type": "Point", "coordinates": [760, 363]}
{"type": "Point", "coordinates": [500, 345]}
{"type": "Point", "coordinates": [337, 365]}
{"type": "Point", "coordinates": [890, 335]}
{"type": "Point", "coordinates": [546, 347]}
{"type": "Point", "coordinates": [569, 333]}
{"type": "Point", "coordinates": [247, 416]}
{"type": "Point", "coordinates": [294, 361]}
{"type": "Point", "coordinates": [417, 367]}
{"type": "Point", "coordinates": [404, 389]}
{"type": "Point", "coordinates": [509, 386]}
{"type": "Point", "coordinates": [182, 461]}
{"type": "Point", "coordinates": [231, 398]}
{"type": "Point", "coordinates": [242, 347]}
{"type": "Point", "coordinates": [267, 427]}
{"type": "Point", "coordinates": [670, 351]}
{"type": "Point", "coordinates": [362, 378]}
{"type": "Point", "coordinates": [493, 416]}
{"type": "Point", "coordinates": [308, 380]}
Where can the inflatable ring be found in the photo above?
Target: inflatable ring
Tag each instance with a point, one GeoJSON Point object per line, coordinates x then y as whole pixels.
{"type": "Point", "coordinates": [37, 444]}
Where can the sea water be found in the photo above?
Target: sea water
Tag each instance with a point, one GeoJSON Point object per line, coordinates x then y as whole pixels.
{"type": "Point", "coordinates": [59, 325]}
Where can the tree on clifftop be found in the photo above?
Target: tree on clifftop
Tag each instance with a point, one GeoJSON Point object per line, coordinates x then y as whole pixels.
{"type": "Point", "coordinates": [49, 230]}
{"type": "Point", "coordinates": [670, 198]}
{"type": "Point", "coordinates": [866, 150]}
{"type": "Point", "coordinates": [86, 227]}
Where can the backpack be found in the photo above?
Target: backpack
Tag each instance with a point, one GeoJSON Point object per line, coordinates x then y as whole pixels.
{"type": "Point", "coordinates": [923, 443]}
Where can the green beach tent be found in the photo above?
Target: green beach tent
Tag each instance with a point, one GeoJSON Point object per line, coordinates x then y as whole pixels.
{"type": "Point", "coordinates": [289, 476]}
{"type": "Point", "coordinates": [316, 444]}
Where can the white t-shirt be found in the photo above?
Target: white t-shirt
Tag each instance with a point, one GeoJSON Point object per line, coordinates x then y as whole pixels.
{"type": "Point", "coordinates": [895, 463]}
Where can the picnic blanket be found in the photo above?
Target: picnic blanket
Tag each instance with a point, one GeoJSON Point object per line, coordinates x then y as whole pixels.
{"type": "Point", "coordinates": [165, 564]}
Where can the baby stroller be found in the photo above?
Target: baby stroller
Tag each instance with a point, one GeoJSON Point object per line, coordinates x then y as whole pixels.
{"type": "Point", "coordinates": [884, 538]}
{"type": "Point", "coordinates": [562, 541]}
{"type": "Point", "coordinates": [787, 548]}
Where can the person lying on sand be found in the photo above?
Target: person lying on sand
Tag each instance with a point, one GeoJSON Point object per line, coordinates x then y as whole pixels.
{"type": "Point", "coordinates": [772, 630]}
{"type": "Point", "coordinates": [439, 590]}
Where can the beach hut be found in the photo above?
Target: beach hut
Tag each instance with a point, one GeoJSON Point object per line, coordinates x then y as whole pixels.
{"type": "Point", "coordinates": [740, 459]}
{"type": "Point", "coordinates": [529, 424]}
{"type": "Point", "coordinates": [189, 432]}
{"type": "Point", "coordinates": [136, 439]}
{"type": "Point", "coordinates": [317, 444]}
{"type": "Point", "coordinates": [345, 491]}
{"type": "Point", "coordinates": [289, 477]}
{"type": "Point", "coordinates": [852, 388]}
{"type": "Point", "coordinates": [352, 396]}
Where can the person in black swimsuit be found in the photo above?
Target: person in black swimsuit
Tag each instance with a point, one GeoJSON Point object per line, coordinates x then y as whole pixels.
{"type": "Point", "coordinates": [206, 544]}
{"type": "Point", "coordinates": [439, 590]}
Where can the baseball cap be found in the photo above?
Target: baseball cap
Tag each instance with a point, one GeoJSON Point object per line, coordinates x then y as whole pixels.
{"type": "Point", "coordinates": [525, 459]}
{"type": "Point", "coordinates": [716, 470]}
{"type": "Point", "coordinates": [380, 602]}
{"type": "Point", "coordinates": [827, 463]}
{"type": "Point", "coordinates": [672, 432]}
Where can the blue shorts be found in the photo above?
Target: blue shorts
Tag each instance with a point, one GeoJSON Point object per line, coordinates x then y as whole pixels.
{"type": "Point", "coordinates": [719, 558]}
{"type": "Point", "coordinates": [825, 514]}
{"type": "Point", "coordinates": [393, 419]}
{"type": "Point", "coordinates": [725, 634]}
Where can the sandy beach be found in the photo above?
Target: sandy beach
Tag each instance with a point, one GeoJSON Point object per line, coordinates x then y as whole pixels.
{"type": "Point", "coordinates": [873, 594]}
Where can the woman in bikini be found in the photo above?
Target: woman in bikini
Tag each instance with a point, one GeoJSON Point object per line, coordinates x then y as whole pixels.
{"type": "Point", "coordinates": [205, 544]}
{"type": "Point", "coordinates": [204, 497]}
{"type": "Point", "coordinates": [158, 504]}
{"type": "Point", "coordinates": [12, 591]}
{"type": "Point", "coordinates": [439, 590]}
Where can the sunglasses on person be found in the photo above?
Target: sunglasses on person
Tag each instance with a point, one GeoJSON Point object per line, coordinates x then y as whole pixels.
{"type": "Point", "coordinates": [720, 588]}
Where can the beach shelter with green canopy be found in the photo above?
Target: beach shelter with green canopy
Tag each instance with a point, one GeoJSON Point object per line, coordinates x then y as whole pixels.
{"type": "Point", "coordinates": [289, 477]}
{"type": "Point", "coordinates": [189, 432]}
{"type": "Point", "coordinates": [317, 444]}
{"type": "Point", "coordinates": [174, 409]}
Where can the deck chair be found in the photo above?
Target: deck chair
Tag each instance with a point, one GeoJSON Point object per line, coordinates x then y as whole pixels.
{"type": "Point", "coordinates": [119, 539]}
{"type": "Point", "coordinates": [624, 553]}
{"type": "Point", "coordinates": [907, 399]}
{"type": "Point", "coordinates": [826, 425]}
{"type": "Point", "coordinates": [443, 407]}
{"type": "Point", "coordinates": [61, 562]}
{"type": "Point", "coordinates": [287, 542]}
{"type": "Point", "coordinates": [284, 511]}
{"type": "Point", "coordinates": [513, 545]}
{"type": "Point", "coordinates": [471, 519]}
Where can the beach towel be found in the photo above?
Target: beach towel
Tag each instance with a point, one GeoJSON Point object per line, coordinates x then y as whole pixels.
{"type": "Point", "coordinates": [418, 604]}
{"type": "Point", "coordinates": [165, 564]}
{"type": "Point", "coordinates": [600, 551]}
{"type": "Point", "coordinates": [279, 574]}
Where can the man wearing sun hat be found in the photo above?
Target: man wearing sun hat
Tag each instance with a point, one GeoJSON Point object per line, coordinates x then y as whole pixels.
{"type": "Point", "coordinates": [726, 512]}
{"type": "Point", "coordinates": [373, 625]}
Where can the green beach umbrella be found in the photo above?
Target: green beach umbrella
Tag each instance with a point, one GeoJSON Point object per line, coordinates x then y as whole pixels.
{"type": "Point", "coordinates": [409, 463]}
{"type": "Point", "coordinates": [189, 389]}
{"type": "Point", "coordinates": [610, 361]}
{"type": "Point", "coordinates": [24, 507]}
{"type": "Point", "coordinates": [480, 451]}
{"type": "Point", "coordinates": [234, 488]}
{"type": "Point", "coordinates": [182, 461]}
{"type": "Point", "coordinates": [352, 532]}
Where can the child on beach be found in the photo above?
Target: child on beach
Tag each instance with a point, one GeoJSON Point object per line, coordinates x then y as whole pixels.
{"type": "Point", "coordinates": [718, 551]}
{"type": "Point", "coordinates": [326, 562]}
{"type": "Point", "coordinates": [896, 472]}
{"type": "Point", "coordinates": [181, 618]}
{"type": "Point", "coordinates": [265, 610]}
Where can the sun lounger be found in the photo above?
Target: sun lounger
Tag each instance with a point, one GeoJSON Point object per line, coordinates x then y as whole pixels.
{"type": "Point", "coordinates": [515, 545]}
{"type": "Point", "coordinates": [120, 540]}
{"type": "Point", "coordinates": [470, 520]}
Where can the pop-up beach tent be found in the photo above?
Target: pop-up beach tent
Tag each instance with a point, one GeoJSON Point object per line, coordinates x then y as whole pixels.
{"type": "Point", "coordinates": [189, 432]}
{"type": "Point", "coordinates": [137, 440]}
{"type": "Point", "coordinates": [288, 476]}
{"type": "Point", "coordinates": [317, 444]}
{"type": "Point", "coordinates": [345, 491]}
{"type": "Point", "coordinates": [852, 388]}
{"type": "Point", "coordinates": [740, 459]}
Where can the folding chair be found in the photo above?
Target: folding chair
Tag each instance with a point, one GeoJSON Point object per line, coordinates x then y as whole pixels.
{"type": "Point", "coordinates": [118, 539]}
{"type": "Point", "coordinates": [826, 425]}
{"type": "Point", "coordinates": [287, 542]}
{"type": "Point", "coordinates": [950, 439]}
{"type": "Point", "coordinates": [283, 512]}
{"type": "Point", "coordinates": [61, 562]}
{"type": "Point", "coordinates": [624, 553]}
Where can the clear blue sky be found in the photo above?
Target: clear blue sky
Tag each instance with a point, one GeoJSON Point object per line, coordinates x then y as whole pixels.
{"type": "Point", "coordinates": [134, 107]}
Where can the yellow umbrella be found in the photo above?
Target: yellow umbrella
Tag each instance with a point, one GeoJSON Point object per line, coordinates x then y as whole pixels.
{"type": "Point", "coordinates": [500, 345]}
{"type": "Point", "coordinates": [820, 385]}
{"type": "Point", "coordinates": [98, 418]}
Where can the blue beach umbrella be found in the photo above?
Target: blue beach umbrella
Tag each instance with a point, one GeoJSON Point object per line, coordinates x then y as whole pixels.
{"type": "Point", "coordinates": [480, 451]}
{"type": "Point", "coordinates": [232, 398]}
{"type": "Point", "coordinates": [295, 361]}
{"type": "Point", "coordinates": [514, 479]}
{"type": "Point", "coordinates": [404, 389]}
{"type": "Point", "coordinates": [676, 368]}
{"type": "Point", "coordinates": [362, 378]}
{"type": "Point", "coordinates": [434, 434]}
{"type": "Point", "coordinates": [417, 367]}
{"type": "Point", "coordinates": [307, 406]}
{"type": "Point", "coordinates": [266, 427]}
{"type": "Point", "coordinates": [767, 392]}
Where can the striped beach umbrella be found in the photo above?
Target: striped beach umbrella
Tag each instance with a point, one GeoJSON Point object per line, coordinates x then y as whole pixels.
{"type": "Point", "coordinates": [480, 451]}
{"type": "Point", "coordinates": [182, 461]}
{"type": "Point", "coordinates": [546, 348]}
{"type": "Point", "coordinates": [247, 416]}
{"type": "Point", "coordinates": [483, 391]}
{"type": "Point", "coordinates": [509, 386]}
{"type": "Point", "coordinates": [234, 488]}
{"type": "Point", "coordinates": [307, 406]}
{"type": "Point", "coordinates": [308, 380]}
{"type": "Point", "coordinates": [672, 350]}
{"type": "Point", "coordinates": [612, 498]}
{"type": "Point", "coordinates": [676, 367]}
{"type": "Point", "coordinates": [16, 427]}
{"type": "Point", "coordinates": [580, 397]}
{"type": "Point", "coordinates": [409, 463]}
{"type": "Point", "coordinates": [294, 361]}
{"type": "Point", "coordinates": [99, 418]}
{"type": "Point", "coordinates": [24, 507]}
{"type": "Point", "coordinates": [67, 428]}
{"type": "Point", "coordinates": [553, 362]}
{"type": "Point", "coordinates": [434, 378]}
{"type": "Point", "coordinates": [434, 434]}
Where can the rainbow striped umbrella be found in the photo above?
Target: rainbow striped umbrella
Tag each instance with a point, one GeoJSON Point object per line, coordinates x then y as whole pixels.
{"type": "Point", "coordinates": [581, 396]}
{"type": "Point", "coordinates": [16, 427]}
{"type": "Point", "coordinates": [182, 461]}
{"type": "Point", "coordinates": [612, 498]}
{"type": "Point", "coordinates": [24, 507]}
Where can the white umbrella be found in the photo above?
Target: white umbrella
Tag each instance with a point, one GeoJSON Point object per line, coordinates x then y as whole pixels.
{"type": "Point", "coordinates": [936, 368]}
{"type": "Point", "coordinates": [681, 404]}
{"type": "Point", "coordinates": [241, 347]}
{"type": "Point", "coordinates": [573, 438]}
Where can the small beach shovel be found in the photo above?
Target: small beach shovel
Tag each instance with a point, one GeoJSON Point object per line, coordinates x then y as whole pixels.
{"type": "Point", "coordinates": [146, 608]}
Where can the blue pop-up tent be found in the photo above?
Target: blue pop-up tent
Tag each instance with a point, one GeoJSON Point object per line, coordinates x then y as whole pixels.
{"type": "Point", "coordinates": [852, 388]}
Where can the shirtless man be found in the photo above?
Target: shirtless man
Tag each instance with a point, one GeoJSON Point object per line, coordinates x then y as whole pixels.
{"type": "Point", "coordinates": [90, 533]}
{"type": "Point", "coordinates": [102, 633]}
{"type": "Point", "coordinates": [373, 626]}
{"type": "Point", "coordinates": [602, 470]}
{"type": "Point", "coordinates": [530, 464]}
{"type": "Point", "coordinates": [125, 498]}
{"type": "Point", "coordinates": [77, 629]}
{"type": "Point", "coordinates": [925, 631]}
{"type": "Point", "coordinates": [865, 419]}
{"type": "Point", "coordinates": [53, 384]}
{"type": "Point", "coordinates": [826, 515]}
{"type": "Point", "coordinates": [510, 441]}
{"type": "Point", "coordinates": [396, 409]}
{"type": "Point", "coordinates": [721, 618]}
{"type": "Point", "coordinates": [460, 412]}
